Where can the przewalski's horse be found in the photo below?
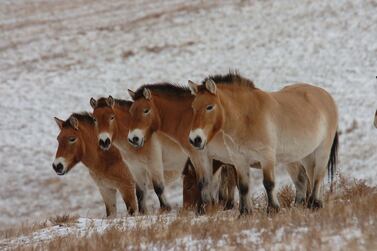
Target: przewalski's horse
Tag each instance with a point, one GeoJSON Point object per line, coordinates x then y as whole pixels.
{"type": "Point", "coordinates": [77, 142]}
{"type": "Point", "coordinates": [159, 161]}
{"type": "Point", "coordinates": [235, 119]}
{"type": "Point", "coordinates": [167, 108]}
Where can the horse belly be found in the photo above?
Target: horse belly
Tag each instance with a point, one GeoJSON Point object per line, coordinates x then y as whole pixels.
{"type": "Point", "coordinates": [297, 148]}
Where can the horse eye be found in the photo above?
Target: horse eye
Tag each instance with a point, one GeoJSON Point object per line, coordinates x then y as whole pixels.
{"type": "Point", "coordinates": [72, 140]}
{"type": "Point", "coordinates": [112, 117]}
{"type": "Point", "coordinates": [146, 111]}
{"type": "Point", "coordinates": [210, 107]}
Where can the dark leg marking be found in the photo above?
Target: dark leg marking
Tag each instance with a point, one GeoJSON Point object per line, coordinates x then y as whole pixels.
{"type": "Point", "coordinates": [269, 186]}
{"type": "Point", "coordinates": [314, 203]}
{"type": "Point", "coordinates": [107, 211]}
{"type": "Point", "coordinates": [140, 198]}
{"type": "Point", "coordinates": [201, 205]}
{"type": "Point", "coordinates": [301, 185]}
{"type": "Point", "coordinates": [159, 190]}
{"type": "Point", "coordinates": [130, 210]}
{"type": "Point", "coordinates": [243, 190]}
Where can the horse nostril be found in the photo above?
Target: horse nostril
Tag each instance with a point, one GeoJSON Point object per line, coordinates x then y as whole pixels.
{"type": "Point", "coordinates": [135, 139]}
{"type": "Point", "coordinates": [197, 141]}
{"type": "Point", "coordinates": [104, 143]}
{"type": "Point", "coordinates": [58, 168]}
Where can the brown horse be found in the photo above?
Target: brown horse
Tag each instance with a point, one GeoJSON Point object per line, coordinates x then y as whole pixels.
{"type": "Point", "coordinates": [77, 143]}
{"type": "Point", "coordinates": [375, 119]}
{"type": "Point", "coordinates": [244, 124]}
{"type": "Point", "coordinates": [159, 161]}
{"type": "Point", "coordinates": [170, 111]}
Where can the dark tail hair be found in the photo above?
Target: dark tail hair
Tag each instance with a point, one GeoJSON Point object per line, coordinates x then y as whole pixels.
{"type": "Point", "coordinates": [331, 165]}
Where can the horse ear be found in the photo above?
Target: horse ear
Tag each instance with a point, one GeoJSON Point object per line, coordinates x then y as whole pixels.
{"type": "Point", "coordinates": [110, 101]}
{"type": "Point", "coordinates": [193, 87]}
{"type": "Point", "coordinates": [211, 86]}
{"type": "Point", "coordinates": [132, 94]}
{"type": "Point", "coordinates": [147, 94]}
{"type": "Point", "coordinates": [59, 122]}
{"type": "Point", "coordinates": [74, 122]}
{"type": "Point", "coordinates": [93, 103]}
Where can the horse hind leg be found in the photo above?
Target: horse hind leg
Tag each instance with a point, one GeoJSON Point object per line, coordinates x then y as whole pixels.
{"type": "Point", "coordinates": [301, 182]}
{"type": "Point", "coordinates": [227, 186]}
{"type": "Point", "coordinates": [322, 156]}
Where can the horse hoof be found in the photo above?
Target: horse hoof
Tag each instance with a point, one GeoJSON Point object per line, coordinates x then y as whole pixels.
{"type": "Point", "coordinates": [300, 202]}
{"type": "Point", "coordinates": [200, 210]}
{"type": "Point", "coordinates": [314, 203]}
{"type": "Point", "coordinates": [165, 209]}
{"type": "Point", "coordinates": [273, 209]}
{"type": "Point", "coordinates": [245, 211]}
{"type": "Point", "coordinates": [229, 205]}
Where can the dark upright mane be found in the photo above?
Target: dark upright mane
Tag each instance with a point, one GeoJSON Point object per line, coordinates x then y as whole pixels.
{"type": "Point", "coordinates": [232, 78]}
{"type": "Point", "coordinates": [165, 89]}
{"type": "Point", "coordinates": [84, 117]}
{"type": "Point", "coordinates": [102, 102]}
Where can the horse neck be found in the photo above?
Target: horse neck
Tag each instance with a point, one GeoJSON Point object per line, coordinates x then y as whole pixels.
{"type": "Point", "coordinates": [172, 110]}
{"type": "Point", "coordinates": [231, 106]}
{"type": "Point", "coordinates": [122, 121]}
{"type": "Point", "coordinates": [89, 139]}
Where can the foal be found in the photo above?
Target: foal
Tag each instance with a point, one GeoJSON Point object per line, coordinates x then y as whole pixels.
{"type": "Point", "coordinates": [235, 119]}
{"type": "Point", "coordinates": [160, 160]}
{"type": "Point", "coordinates": [77, 143]}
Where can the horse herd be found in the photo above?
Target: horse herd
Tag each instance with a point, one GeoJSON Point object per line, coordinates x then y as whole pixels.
{"type": "Point", "coordinates": [212, 133]}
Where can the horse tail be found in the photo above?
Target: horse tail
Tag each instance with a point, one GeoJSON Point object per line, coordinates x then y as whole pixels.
{"type": "Point", "coordinates": [331, 165]}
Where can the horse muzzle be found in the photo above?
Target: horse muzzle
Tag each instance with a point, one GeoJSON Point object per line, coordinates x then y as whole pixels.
{"type": "Point", "coordinates": [197, 142]}
{"type": "Point", "coordinates": [59, 168]}
{"type": "Point", "coordinates": [136, 142]}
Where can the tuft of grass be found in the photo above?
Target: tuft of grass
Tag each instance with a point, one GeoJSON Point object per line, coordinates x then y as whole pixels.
{"type": "Point", "coordinates": [63, 219]}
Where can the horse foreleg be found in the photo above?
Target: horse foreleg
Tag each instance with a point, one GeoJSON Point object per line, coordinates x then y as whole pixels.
{"type": "Point", "coordinates": [203, 169]}
{"type": "Point", "coordinates": [243, 189]}
{"type": "Point", "coordinates": [269, 184]}
{"type": "Point", "coordinates": [129, 198]}
{"type": "Point", "coordinates": [159, 189]}
{"type": "Point", "coordinates": [141, 192]}
{"type": "Point", "coordinates": [109, 198]}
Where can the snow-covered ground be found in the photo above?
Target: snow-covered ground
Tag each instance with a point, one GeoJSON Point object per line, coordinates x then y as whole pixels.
{"type": "Point", "coordinates": [55, 55]}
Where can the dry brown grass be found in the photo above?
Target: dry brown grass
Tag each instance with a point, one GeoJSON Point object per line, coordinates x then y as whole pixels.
{"type": "Point", "coordinates": [348, 219]}
{"type": "Point", "coordinates": [28, 228]}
